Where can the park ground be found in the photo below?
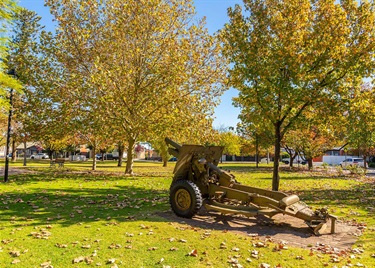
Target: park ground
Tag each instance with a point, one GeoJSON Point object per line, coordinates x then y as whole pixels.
{"type": "Point", "coordinates": [75, 217]}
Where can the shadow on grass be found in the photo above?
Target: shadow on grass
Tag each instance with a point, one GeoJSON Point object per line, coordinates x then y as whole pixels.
{"type": "Point", "coordinates": [256, 225]}
{"type": "Point", "coordinates": [251, 168]}
{"type": "Point", "coordinates": [359, 196]}
{"type": "Point", "coordinates": [49, 175]}
{"type": "Point", "coordinates": [96, 201]}
{"type": "Point", "coordinates": [79, 205]}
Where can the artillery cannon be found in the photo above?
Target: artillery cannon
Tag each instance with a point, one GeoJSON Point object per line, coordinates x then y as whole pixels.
{"type": "Point", "coordinates": [198, 181]}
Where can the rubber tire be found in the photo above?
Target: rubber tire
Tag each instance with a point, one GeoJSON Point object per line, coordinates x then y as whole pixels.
{"type": "Point", "coordinates": [184, 187]}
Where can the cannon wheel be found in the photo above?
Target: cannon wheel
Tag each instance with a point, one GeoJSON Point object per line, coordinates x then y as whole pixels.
{"type": "Point", "coordinates": [185, 198]}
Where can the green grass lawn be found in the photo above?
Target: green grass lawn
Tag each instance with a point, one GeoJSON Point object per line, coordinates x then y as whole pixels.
{"type": "Point", "coordinates": [72, 217]}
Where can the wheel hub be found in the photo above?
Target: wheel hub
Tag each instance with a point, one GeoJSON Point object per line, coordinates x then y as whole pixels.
{"type": "Point", "coordinates": [183, 199]}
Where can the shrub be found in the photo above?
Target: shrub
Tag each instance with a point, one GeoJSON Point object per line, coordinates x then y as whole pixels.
{"type": "Point", "coordinates": [356, 170]}
{"type": "Point", "coordinates": [339, 170]}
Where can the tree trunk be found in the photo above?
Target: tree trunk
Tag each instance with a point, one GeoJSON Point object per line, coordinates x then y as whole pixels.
{"type": "Point", "coordinates": [121, 149]}
{"type": "Point", "coordinates": [276, 162]}
{"type": "Point", "coordinates": [257, 150]}
{"type": "Point", "coordinates": [93, 158]}
{"type": "Point", "coordinates": [129, 161]}
{"type": "Point", "coordinates": [24, 153]}
{"type": "Point", "coordinates": [164, 154]}
{"type": "Point", "coordinates": [292, 157]}
{"type": "Point", "coordinates": [364, 161]}
{"type": "Point", "coordinates": [14, 156]}
{"type": "Point", "coordinates": [310, 163]}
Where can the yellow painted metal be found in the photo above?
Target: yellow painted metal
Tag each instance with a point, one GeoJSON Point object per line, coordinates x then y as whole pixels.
{"type": "Point", "coordinates": [247, 211]}
{"type": "Point", "coordinates": [198, 164]}
{"type": "Point", "coordinates": [183, 199]}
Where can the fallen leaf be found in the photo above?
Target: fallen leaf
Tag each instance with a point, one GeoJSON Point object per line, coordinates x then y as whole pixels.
{"type": "Point", "coordinates": [78, 259]}
{"type": "Point", "coordinates": [88, 260]}
{"type": "Point", "coordinates": [193, 253]}
{"type": "Point", "coordinates": [233, 261]}
{"type": "Point", "coordinates": [15, 253]}
{"type": "Point", "coordinates": [223, 245]}
{"type": "Point", "coordinates": [110, 261]}
{"type": "Point", "coordinates": [15, 261]}
{"type": "Point", "coordinates": [253, 234]}
{"type": "Point", "coordinates": [46, 264]}
{"type": "Point", "coordinates": [259, 245]}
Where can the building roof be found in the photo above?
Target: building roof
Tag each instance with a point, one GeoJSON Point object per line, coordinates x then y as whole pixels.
{"type": "Point", "coordinates": [21, 146]}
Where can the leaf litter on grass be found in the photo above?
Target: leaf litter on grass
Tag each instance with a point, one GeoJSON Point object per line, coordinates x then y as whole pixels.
{"type": "Point", "coordinates": [103, 207]}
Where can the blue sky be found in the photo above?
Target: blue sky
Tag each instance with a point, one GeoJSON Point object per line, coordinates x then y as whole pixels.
{"type": "Point", "coordinates": [215, 12]}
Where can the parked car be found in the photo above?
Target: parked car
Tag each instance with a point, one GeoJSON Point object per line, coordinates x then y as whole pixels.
{"type": "Point", "coordinates": [39, 156]}
{"type": "Point", "coordinates": [296, 161]}
{"type": "Point", "coordinates": [154, 158]}
{"type": "Point", "coordinates": [107, 157]}
{"type": "Point", "coordinates": [351, 162]}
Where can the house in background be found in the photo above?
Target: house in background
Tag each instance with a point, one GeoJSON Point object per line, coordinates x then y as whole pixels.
{"type": "Point", "coordinates": [336, 155]}
{"type": "Point", "coordinates": [337, 151]}
{"type": "Point", "coordinates": [31, 148]}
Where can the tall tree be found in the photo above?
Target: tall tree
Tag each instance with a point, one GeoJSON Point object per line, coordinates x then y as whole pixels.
{"type": "Point", "coordinates": [7, 10]}
{"type": "Point", "coordinates": [22, 57]}
{"type": "Point", "coordinates": [230, 141]}
{"type": "Point", "coordinates": [141, 61]}
{"type": "Point", "coordinates": [360, 119]}
{"type": "Point", "coordinates": [289, 55]}
{"type": "Point", "coordinates": [256, 134]}
{"type": "Point", "coordinates": [40, 113]}
{"type": "Point", "coordinates": [37, 114]}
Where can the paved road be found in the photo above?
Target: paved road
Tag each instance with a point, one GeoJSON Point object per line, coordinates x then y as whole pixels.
{"type": "Point", "coordinates": [370, 172]}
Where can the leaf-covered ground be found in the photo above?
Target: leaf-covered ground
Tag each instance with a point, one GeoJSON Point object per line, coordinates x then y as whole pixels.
{"type": "Point", "coordinates": [72, 217]}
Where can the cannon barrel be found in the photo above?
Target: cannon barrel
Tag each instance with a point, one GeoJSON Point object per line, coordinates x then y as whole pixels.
{"type": "Point", "coordinates": [173, 143]}
{"type": "Point", "coordinates": [177, 147]}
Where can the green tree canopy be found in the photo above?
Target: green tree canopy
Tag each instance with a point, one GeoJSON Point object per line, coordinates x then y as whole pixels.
{"type": "Point", "coordinates": [7, 10]}
{"type": "Point", "coordinates": [144, 65]}
{"type": "Point", "coordinates": [290, 55]}
{"type": "Point", "coordinates": [360, 119]}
